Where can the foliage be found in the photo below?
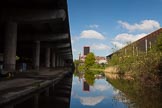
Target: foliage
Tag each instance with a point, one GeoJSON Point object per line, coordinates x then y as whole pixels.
{"type": "Point", "coordinates": [139, 96]}
{"type": "Point", "coordinates": [98, 66]}
{"type": "Point", "coordinates": [89, 60]}
{"type": "Point", "coordinates": [89, 77]}
{"type": "Point", "coordinates": [141, 65]}
{"type": "Point", "coordinates": [76, 62]}
{"type": "Point", "coordinates": [81, 68]}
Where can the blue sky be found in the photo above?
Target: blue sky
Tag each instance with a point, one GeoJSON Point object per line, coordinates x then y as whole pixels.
{"type": "Point", "coordinates": [107, 24]}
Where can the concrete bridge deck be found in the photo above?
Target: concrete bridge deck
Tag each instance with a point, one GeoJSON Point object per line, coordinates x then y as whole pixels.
{"type": "Point", "coordinates": [27, 85]}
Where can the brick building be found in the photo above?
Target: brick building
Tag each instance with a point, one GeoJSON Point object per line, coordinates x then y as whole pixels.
{"type": "Point", "coordinates": [141, 45]}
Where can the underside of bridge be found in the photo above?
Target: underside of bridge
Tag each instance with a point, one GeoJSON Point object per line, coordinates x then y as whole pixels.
{"type": "Point", "coordinates": [34, 32]}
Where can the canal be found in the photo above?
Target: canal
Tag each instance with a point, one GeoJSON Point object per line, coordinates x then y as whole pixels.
{"type": "Point", "coordinates": [109, 91]}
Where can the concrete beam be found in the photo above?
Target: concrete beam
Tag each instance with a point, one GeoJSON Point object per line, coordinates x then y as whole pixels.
{"type": "Point", "coordinates": [44, 37]}
{"type": "Point", "coordinates": [63, 45]}
{"type": "Point", "coordinates": [64, 51]}
{"type": "Point", "coordinates": [55, 45]}
{"type": "Point", "coordinates": [33, 15]}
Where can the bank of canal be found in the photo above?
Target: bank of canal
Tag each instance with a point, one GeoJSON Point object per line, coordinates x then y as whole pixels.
{"type": "Point", "coordinates": [100, 91]}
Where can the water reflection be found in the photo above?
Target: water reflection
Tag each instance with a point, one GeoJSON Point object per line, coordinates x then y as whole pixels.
{"type": "Point", "coordinates": [93, 89]}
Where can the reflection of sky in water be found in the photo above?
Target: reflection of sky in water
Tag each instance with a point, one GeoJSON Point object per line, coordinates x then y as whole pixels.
{"type": "Point", "coordinates": [100, 95]}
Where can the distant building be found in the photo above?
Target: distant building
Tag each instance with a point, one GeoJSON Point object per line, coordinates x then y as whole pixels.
{"type": "Point", "coordinates": [86, 86]}
{"type": "Point", "coordinates": [100, 60]}
{"type": "Point", "coordinates": [86, 50]}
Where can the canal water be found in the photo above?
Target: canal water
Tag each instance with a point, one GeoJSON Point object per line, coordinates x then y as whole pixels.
{"type": "Point", "coordinates": [100, 91]}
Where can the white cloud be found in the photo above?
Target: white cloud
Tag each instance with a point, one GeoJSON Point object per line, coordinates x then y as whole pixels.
{"type": "Point", "coordinates": [99, 47]}
{"type": "Point", "coordinates": [125, 37]}
{"type": "Point", "coordinates": [93, 26]}
{"type": "Point", "coordinates": [145, 25]}
{"type": "Point", "coordinates": [91, 34]}
{"type": "Point", "coordinates": [91, 101]}
{"type": "Point", "coordinates": [101, 87]}
{"type": "Point", "coordinates": [121, 40]}
{"type": "Point", "coordinates": [74, 50]}
{"type": "Point", "coordinates": [72, 41]}
{"type": "Point", "coordinates": [118, 45]}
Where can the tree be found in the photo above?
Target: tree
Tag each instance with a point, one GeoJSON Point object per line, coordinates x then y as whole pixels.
{"type": "Point", "coordinates": [89, 60]}
{"type": "Point", "coordinates": [76, 62]}
{"type": "Point", "coordinates": [89, 77]}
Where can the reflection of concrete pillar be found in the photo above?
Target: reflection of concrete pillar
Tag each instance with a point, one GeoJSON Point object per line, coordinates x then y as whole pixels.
{"type": "Point", "coordinates": [9, 106]}
{"type": "Point", "coordinates": [36, 56]}
{"type": "Point", "coordinates": [47, 61]}
{"type": "Point", "coordinates": [36, 100]}
{"type": "Point", "coordinates": [10, 46]}
{"type": "Point", "coordinates": [47, 92]}
{"type": "Point", "coordinates": [53, 59]}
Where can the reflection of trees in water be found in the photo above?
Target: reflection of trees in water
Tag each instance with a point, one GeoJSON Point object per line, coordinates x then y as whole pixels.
{"type": "Point", "coordinates": [138, 96]}
{"type": "Point", "coordinates": [89, 77]}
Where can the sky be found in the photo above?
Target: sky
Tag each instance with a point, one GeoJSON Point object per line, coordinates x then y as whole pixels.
{"type": "Point", "coordinates": [108, 25]}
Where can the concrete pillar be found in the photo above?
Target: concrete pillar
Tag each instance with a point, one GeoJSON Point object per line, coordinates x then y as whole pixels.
{"type": "Point", "coordinates": [150, 44]}
{"type": "Point", "coordinates": [133, 50]}
{"type": "Point", "coordinates": [36, 57]}
{"type": "Point", "coordinates": [146, 45]}
{"type": "Point", "coordinates": [125, 51]}
{"type": "Point", "coordinates": [137, 50]}
{"type": "Point", "coordinates": [53, 59]}
{"type": "Point", "coordinates": [61, 62]}
{"type": "Point", "coordinates": [10, 46]}
{"type": "Point", "coordinates": [58, 61]}
{"type": "Point", "coordinates": [47, 61]}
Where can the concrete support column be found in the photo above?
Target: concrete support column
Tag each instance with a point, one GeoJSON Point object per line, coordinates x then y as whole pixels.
{"type": "Point", "coordinates": [47, 61]}
{"type": "Point", "coordinates": [133, 50]}
{"type": "Point", "coordinates": [10, 46]}
{"type": "Point", "coordinates": [53, 59]}
{"type": "Point", "coordinates": [125, 51]}
{"type": "Point", "coordinates": [150, 44]}
{"type": "Point", "coordinates": [146, 45]}
{"type": "Point", "coordinates": [61, 62]}
{"type": "Point", "coordinates": [137, 50]}
{"type": "Point", "coordinates": [58, 61]}
{"type": "Point", "coordinates": [36, 57]}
